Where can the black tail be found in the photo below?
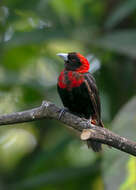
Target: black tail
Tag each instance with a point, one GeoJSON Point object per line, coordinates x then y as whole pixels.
{"type": "Point", "coordinates": [96, 146]}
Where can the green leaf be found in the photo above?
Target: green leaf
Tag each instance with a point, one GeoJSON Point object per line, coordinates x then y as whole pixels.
{"type": "Point", "coordinates": [66, 8]}
{"type": "Point", "coordinates": [130, 182]}
{"type": "Point", "coordinates": [36, 36]}
{"type": "Point", "coordinates": [122, 42]}
{"type": "Point", "coordinates": [121, 12]}
{"type": "Point", "coordinates": [18, 57]}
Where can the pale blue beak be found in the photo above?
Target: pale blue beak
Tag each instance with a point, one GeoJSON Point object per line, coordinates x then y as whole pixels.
{"type": "Point", "coordinates": [64, 56]}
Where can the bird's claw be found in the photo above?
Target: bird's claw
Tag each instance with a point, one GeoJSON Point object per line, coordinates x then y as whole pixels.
{"type": "Point", "coordinates": [62, 111]}
{"type": "Point", "coordinates": [88, 122]}
{"type": "Point", "coordinates": [45, 103]}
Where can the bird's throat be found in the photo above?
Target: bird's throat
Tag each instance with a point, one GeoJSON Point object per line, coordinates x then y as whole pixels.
{"type": "Point", "coordinates": [70, 79]}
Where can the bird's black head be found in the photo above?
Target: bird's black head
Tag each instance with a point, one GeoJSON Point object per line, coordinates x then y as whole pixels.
{"type": "Point", "coordinates": [75, 62]}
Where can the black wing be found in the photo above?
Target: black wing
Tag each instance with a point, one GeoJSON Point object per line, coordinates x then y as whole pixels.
{"type": "Point", "coordinates": [94, 95]}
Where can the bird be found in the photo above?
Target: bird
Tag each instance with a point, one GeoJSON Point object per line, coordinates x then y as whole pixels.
{"type": "Point", "coordinates": [78, 91]}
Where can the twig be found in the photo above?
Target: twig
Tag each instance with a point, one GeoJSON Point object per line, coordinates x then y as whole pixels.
{"type": "Point", "coordinates": [50, 110]}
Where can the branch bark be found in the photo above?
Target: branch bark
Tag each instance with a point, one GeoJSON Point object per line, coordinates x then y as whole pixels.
{"type": "Point", "coordinates": [88, 131]}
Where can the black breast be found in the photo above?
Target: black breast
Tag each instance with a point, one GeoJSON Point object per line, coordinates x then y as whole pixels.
{"type": "Point", "coordinates": [77, 100]}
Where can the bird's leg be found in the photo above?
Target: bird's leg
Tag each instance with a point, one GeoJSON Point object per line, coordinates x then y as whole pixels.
{"type": "Point", "coordinates": [62, 111]}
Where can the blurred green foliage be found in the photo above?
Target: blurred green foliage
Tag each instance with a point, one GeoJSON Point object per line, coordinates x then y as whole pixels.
{"type": "Point", "coordinates": [44, 154]}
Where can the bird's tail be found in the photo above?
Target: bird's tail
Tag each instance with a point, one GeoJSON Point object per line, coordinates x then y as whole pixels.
{"type": "Point", "coordinates": [96, 146]}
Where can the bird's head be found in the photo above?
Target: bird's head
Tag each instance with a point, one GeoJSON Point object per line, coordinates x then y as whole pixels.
{"type": "Point", "coordinates": [75, 62]}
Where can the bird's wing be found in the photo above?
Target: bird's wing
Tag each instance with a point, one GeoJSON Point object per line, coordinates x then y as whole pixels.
{"type": "Point", "coordinates": [94, 95]}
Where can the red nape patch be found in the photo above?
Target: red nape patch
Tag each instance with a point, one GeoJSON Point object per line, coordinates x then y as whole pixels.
{"type": "Point", "coordinates": [70, 79]}
{"type": "Point", "coordinates": [85, 64]}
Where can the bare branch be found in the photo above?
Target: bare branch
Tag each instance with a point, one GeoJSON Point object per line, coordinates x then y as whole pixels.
{"type": "Point", "coordinates": [49, 110]}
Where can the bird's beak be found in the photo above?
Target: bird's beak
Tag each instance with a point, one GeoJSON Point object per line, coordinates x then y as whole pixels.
{"type": "Point", "coordinates": [63, 55]}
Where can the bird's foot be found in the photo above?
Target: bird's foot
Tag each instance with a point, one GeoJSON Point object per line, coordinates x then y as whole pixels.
{"type": "Point", "coordinates": [45, 104]}
{"type": "Point", "coordinates": [90, 122]}
{"type": "Point", "coordinates": [62, 111]}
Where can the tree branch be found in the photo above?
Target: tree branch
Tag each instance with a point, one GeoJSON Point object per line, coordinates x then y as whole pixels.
{"type": "Point", "coordinates": [88, 131]}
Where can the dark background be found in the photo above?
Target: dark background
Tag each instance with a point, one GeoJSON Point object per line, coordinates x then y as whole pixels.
{"type": "Point", "coordinates": [45, 155]}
